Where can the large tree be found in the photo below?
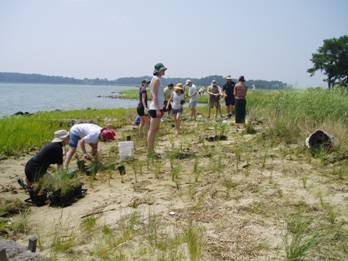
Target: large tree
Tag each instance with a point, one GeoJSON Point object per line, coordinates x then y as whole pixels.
{"type": "Point", "coordinates": [332, 59]}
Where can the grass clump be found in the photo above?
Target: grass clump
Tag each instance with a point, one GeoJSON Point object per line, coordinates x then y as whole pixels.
{"type": "Point", "coordinates": [11, 207]}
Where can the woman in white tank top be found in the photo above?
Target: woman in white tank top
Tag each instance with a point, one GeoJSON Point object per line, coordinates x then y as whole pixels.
{"type": "Point", "coordinates": [178, 99]}
{"type": "Point", "coordinates": [156, 106]}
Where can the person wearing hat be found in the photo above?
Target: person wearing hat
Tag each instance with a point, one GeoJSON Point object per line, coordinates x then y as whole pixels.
{"type": "Point", "coordinates": [215, 93]}
{"type": "Point", "coordinates": [240, 92]}
{"type": "Point", "coordinates": [228, 94]}
{"type": "Point", "coordinates": [168, 91]}
{"type": "Point", "coordinates": [156, 106]}
{"type": "Point", "coordinates": [142, 108]}
{"type": "Point", "coordinates": [52, 153]}
{"type": "Point", "coordinates": [193, 94]}
{"type": "Point", "coordinates": [177, 99]}
{"type": "Point", "coordinates": [87, 133]}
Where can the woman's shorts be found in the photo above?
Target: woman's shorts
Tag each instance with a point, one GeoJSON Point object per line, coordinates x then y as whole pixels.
{"type": "Point", "coordinates": [141, 111]}
{"type": "Point", "coordinates": [214, 103]}
{"type": "Point", "coordinates": [153, 113]}
{"type": "Point", "coordinates": [175, 111]}
{"type": "Point", "coordinates": [193, 104]}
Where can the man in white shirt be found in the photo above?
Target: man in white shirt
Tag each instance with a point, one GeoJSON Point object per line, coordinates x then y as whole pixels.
{"type": "Point", "coordinates": [193, 94]}
{"type": "Point", "coordinates": [87, 133]}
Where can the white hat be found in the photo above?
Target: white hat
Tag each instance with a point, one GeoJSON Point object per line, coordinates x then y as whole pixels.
{"type": "Point", "coordinates": [228, 77]}
{"type": "Point", "coordinates": [60, 135]}
{"type": "Point", "coordinates": [188, 81]}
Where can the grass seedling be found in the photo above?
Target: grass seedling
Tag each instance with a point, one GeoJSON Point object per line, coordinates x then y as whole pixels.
{"type": "Point", "coordinates": [193, 238]}
{"type": "Point", "coordinates": [88, 224]}
{"type": "Point", "coordinates": [299, 239]}
{"type": "Point", "coordinates": [151, 229]}
{"type": "Point", "coordinates": [304, 181]}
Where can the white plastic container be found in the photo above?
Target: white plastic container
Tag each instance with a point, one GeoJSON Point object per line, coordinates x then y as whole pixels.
{"type": "Point", "coordinates": [126, 150]}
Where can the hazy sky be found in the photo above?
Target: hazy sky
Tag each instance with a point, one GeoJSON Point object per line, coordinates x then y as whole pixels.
{"type": "Point", "coordinates": [262, 39]}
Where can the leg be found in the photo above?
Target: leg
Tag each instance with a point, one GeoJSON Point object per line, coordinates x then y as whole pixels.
{"type": "Point", "coordinates": [177, 122]}
{"type": "Point", "coordinates": [154, 127]}
{"type": "Point", "coordinates": [141, 125]}
{"type": "Point", "coordinates": [194, 113]}
{"type": "Point", "coordinates": [69, 156]}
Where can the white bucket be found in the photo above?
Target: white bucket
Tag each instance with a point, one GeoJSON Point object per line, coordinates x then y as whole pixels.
{"type": "Point", "coordinates": [126, 150]}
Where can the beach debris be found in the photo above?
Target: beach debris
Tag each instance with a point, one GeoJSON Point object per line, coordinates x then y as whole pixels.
{"type": "Point", "coordinates": [122, 170]}
{"type": "Point", "coordinates": [320, 139]}
{"type": "Point", "coordinates": [32, 244]}
{"type": "Point", "coordinates": [171, 213]}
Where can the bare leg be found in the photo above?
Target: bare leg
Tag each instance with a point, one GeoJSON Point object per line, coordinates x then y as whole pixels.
{"type": "Point", "coordinates": [177, 122]}
{"type": "Point", "coordinates": [69, 155]}
{"type": "Point", "coordinates": [154, 127]}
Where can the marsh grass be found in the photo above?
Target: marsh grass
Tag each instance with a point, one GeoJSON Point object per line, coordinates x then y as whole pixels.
{"type": "Point", "coordinates": [193, 236]}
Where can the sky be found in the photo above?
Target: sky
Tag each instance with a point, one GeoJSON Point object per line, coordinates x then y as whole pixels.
{"type": "Point", "coordinates": [260, 39]}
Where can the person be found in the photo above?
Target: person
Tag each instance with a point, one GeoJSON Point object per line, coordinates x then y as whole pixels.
{"type": "Point", "coordinates": [229, 96]}
{"type": "Point", "coordinates": [193, 94]}
{"type": "Point", "coordinates": [240, 92]}
{"type": "Point", "coordinates": [178, 100]}
{"type": "Point", "coordinates": [168, 91]}
{"type": "Point", "coordinates": [142, 108]}
{"type": "Point", "coordinates": [87, 133]}
{"type": "Point", "coordinates": [36, 168]}
{"type": "Point", "coordinates": [156, 106]}
{"type": "Point", "coordinates": [214, 92]}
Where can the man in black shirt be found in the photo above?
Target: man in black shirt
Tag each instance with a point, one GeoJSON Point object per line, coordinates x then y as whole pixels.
{"type": "Point", "coordinates": [229, 97]}
{"type": "Point", "coordinates": [52, 153]}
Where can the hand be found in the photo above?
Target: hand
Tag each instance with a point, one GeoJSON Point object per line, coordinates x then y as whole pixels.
{"type": "Point", "coordinates": [146, 111]}
{"type": "Point", "coordinates": [158, 114]}
{"type": "Point", "coordinates": [87, 157]}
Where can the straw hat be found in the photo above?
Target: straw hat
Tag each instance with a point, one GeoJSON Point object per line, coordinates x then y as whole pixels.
{"type": "Point", "coordinates": [60, 135]}
{"type": "Point", "coordinates": [179, 87]}
{"type": "Point", "coordinates": [228, 77]}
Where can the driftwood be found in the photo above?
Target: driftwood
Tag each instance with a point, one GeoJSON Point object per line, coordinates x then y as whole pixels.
{"type": "Point", "coordinates": [98, 212]}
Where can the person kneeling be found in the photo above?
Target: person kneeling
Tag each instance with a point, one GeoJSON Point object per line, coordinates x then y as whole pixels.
{"type": "Point", "coordinates": [36, 167]}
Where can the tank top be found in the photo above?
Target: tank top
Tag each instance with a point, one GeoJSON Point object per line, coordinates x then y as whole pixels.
{"type": "Point", "coordinates": [141, 91]}
{"type": "Point", "coordinates": [160, 94]}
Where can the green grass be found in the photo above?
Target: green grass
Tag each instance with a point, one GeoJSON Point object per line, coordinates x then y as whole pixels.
{"type": "Point", "coordinates": [22, 134]}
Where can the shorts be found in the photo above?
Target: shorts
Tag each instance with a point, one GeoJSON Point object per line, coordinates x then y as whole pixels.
{"type": "Point", "coordinates": [192, 104]}
{"type": "Point", "coordinates": [214, 103]}
{"type": "Point", "coordinates": [141, 111]}
{"type": "Point", "coordinates": [74, 140]}
{"type": "Point", "coordinates": [165, 107]}
{"type": "Point", "coordinates": [33, 172]}
{"type": "Point", "coordinates": [175, 111]}
{"type": "Point", "coordinates": [229, 101]}
{"type": "Point", "coordinates": [153, 114]}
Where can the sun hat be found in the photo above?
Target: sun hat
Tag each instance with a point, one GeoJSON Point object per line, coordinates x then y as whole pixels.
{"type": "Point", "coordinates": [60, 135]}
{"type": "Point", "coordinates": [241, 79]}
{"type": "Point", "coordinates": [108, 134]}
{"type": "Point", "coordinates": [171, 85]}
{"type": "Point", "coordinates": [159, 67]}
{"type": "Point", "coordinates": [213, 82]}
{"type": "Point", "coordinates": [188, 81]}
{"type": "Point", "coordinates": [179, 86]}
{"type": "Point", "coordinates": [228, 77]}
{"type": "Point", "coordinates": [145, 81]}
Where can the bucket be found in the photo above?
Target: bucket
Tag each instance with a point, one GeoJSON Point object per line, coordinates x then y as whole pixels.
{"type": "Point", "coordinates": [126, 150]}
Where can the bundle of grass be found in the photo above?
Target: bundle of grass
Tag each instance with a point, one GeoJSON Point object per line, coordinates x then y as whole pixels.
{"type": "Point", "coordinates": [64, 190]}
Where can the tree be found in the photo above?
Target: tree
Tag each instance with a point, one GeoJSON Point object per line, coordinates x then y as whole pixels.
{"type": "Point", "coordinates": [332, 60]}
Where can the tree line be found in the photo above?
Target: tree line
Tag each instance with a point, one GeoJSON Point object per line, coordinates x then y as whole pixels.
{"type": "Point", "coordinates": [7, 77]}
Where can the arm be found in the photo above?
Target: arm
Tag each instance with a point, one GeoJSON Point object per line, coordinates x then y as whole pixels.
{"type": "Point", "coordinates": [82, 144]}
{"type": "Point", "coordinates": [143, 100]}
{"type": "Point", "coordinates": [155, 97]}
{"type": "Point", "coordinates": [170, 99]}
{"type": "Point", "coordinates": [95, 150]}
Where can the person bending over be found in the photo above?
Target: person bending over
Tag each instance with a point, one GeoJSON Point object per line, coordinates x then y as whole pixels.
{"type": "Point", "coordinates": [87, 133]}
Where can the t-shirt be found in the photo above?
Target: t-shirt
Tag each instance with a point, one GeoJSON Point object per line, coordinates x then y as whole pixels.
{"type": "Point", "coordinates": [228, 88]}
{"type": "Point", "coordinates": [168, 93]}
{"type": "Point", "coordinates": [50, 154]}
{"type": "Point", "coordinates": [177, 99]}
{"type": "Point", "coordinates": [193, 93]}
{"type": "Point", "coordinates": [87, 131]}
{"type": "Point", "coordinates": [160, 94]}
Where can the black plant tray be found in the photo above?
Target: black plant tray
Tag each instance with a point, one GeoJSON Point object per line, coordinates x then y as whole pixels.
{"type": "Point", "coordinates": [58, 200]}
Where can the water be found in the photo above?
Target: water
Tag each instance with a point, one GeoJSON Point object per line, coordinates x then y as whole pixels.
{"type": "Point", "coordinates": [48, 97]}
